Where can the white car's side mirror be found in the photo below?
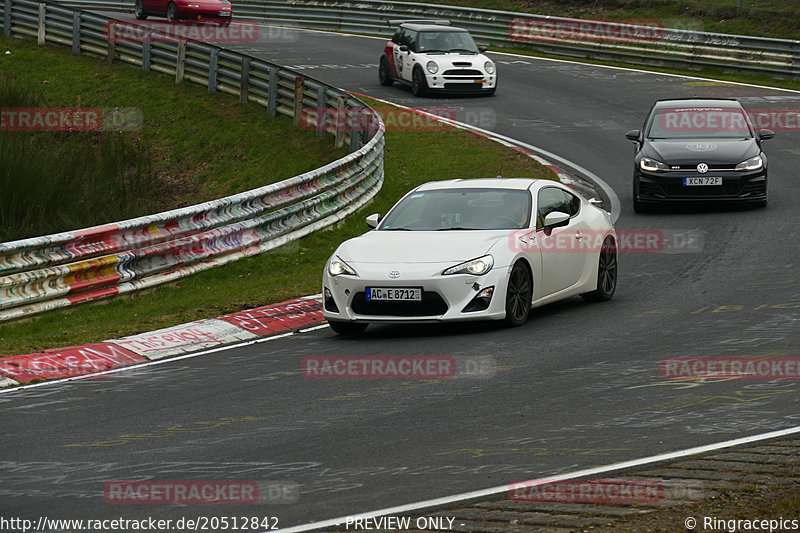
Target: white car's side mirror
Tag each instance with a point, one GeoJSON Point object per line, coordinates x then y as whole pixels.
{"type": "Point", "coordinates": [555, 218]}
{"type": "Point", "coordinates": [596, 202]}
{"type": "Point", "coordinates": [373, 219]}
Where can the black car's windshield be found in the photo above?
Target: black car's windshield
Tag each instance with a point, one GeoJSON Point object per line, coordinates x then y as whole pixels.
{"type": "Point", "coordinates": [446, 41]}
{"type": "Point", "coordinates": [699, 123]}
{"type": "Point", "coordinates": [461, 209]}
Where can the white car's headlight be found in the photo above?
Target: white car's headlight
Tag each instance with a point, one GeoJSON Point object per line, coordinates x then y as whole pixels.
{"type": "Point", "coordinates": [754, 163]}
{"type": "Point", "coordinates": [337, 267]}
{"type": "Point", "coordinates": [432, 67]}
{"type": "Point", "coordinates": [652, 165]}
{"type": "Point", "coordinates": [476, 267]}
{"type": "Point", "coordinates": [489, 67]}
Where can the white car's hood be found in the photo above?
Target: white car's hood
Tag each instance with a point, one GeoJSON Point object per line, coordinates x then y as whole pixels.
{"type": "Point", "coordinates": [455, 60]}
{"type": "Point", "coordinates": [419, 246]}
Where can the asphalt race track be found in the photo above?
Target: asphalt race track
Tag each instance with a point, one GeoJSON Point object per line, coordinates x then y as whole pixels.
{"type": "Point", "coordinates": [577, 386]}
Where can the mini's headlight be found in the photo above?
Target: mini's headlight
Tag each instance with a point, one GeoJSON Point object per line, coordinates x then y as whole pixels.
{"type": "Point", "coordinates": [337, 267]}
{"type": "Point", "coordinates": [432, 67]}
{"type": "Point", "coordinates": [652, 165]}
{"type": "Point", "coordinates": [754, 163]}
{"type": "Point", "coordinates": [489, 67]}
{"type": "Point", "coordinates": [476, 267]}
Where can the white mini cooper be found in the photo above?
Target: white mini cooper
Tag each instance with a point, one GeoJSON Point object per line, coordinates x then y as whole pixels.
{"type": "Point", "coordinates": [431, 55]}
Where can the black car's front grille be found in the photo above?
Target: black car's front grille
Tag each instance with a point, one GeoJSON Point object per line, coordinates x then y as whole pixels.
{"type": "Point", "coordinates": [431, 305]}
{"type": "Point", "coordinates": [733, 189]}
{"type": "Point", "coordinates": [462, 72]}
{"type": "Point", "coordinates": [755, 188]}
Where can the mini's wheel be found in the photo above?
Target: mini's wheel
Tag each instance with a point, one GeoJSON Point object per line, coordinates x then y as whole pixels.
{"type": "Point", "coordinates": [384, 73]}
{"type": "Point", "coordinates": [418, 83]}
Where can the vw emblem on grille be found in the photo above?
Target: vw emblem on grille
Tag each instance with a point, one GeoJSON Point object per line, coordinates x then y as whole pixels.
{"type": "Point", "coordinates": [394, 274]}
{"type": "Point", "coordinates": [702, 168]}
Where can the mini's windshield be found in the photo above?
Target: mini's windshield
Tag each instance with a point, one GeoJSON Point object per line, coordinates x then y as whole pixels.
{"type": "Point", "coordinates": [446, 41]}
{"type": "Point", "coordinates": [699, 122]}
{"type": "Point", "coordinates": [460, 209]}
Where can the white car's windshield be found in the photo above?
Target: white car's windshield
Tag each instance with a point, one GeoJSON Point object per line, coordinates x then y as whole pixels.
{"type": "Point", "coordinates": [699, 122]}
{"type": "Point", "coordinates": [446, 41]}
{"type": "Point", "coordinates": [460, 209]}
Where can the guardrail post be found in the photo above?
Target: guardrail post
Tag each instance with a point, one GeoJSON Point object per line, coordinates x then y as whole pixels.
{"type": "Point", "coordinates": [272, 95]}
{"type": "Point", "coordinates": [146, 50]}
{"type": "Point", "coordinates": [355, 125]}
{"type": "Point", "coordinates": [40, 34]}
{"type": "Point", "coordinates": [341, 117]}
{"type": "Point", "coordinates": [213, 60]}
{"type": "Point", "coordinates": [112, 39]}
{"type": "Point", "coordinates": [244, 82]}
{"type": "Point", "coordinates": [322, 110]}
{"type": "Point", "coordinates": [179, 61]}
{"type": "Point", "coordinates": [76, 32]}
{"type": "Point", "coordinates": [298, 100]}
{"type": "Point", "coordinates": [7, 18]}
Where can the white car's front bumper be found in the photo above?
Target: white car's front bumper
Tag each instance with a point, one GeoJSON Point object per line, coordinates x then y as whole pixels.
{"type": "Point", "coordinates": [443, 297]}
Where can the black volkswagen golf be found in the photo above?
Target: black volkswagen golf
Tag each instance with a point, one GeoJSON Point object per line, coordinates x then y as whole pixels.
{"type": "Point", "coordinates": [693, 150]}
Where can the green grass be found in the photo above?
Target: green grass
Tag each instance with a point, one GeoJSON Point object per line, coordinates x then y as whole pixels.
{"type": "Point", "coordinates": [413, 156]}
{"type": "Point", "coordinates": [193, 145]}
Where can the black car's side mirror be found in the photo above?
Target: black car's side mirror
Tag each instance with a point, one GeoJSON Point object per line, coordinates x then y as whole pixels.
{"type": "Point", "coordinates": [765, 134]}
{"type": "Point", "coordinates": [403, 48]}
{"type": "Point", "coordinates": [482, 49]}
{"type": "Point", "coordinates": [633, 135]}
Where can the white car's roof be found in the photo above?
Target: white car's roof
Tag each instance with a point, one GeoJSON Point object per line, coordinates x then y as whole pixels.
{"type": "Point", "coordinates": [485, 183]}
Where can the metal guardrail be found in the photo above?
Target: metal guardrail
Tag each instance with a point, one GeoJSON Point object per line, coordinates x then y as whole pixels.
{"type": "Point", "coordinates": [629, 43]}
{"type": "Point", "coordinates": [68, 268]}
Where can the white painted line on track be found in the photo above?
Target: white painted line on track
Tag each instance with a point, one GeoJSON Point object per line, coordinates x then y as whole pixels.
{"type": "Point", "coordinates": [493, 491]}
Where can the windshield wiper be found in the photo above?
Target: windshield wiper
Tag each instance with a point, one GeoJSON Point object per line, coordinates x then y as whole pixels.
{"type": "Point", "coordinates": [456, 228]}
{"type": "Point", "coordinates": [397, 229]}
{"type": "Point", "coordinates": [464, 50]}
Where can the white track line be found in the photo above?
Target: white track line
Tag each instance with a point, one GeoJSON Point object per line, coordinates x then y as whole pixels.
{"type": "Point", "coordinates": [449, 500]}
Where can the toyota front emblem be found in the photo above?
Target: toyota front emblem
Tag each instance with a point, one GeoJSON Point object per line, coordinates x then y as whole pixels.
{"type": "Point", "coordinates": [702, 168]}
{"type": "Point", "coordinates": [394, 274]}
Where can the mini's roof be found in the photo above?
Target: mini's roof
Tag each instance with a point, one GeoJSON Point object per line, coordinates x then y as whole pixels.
{"type": "Point", "coordinates": [431, 27]}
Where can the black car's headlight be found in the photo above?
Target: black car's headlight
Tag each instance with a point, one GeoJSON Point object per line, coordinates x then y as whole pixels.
{"type": "Point", "coordinates": [337, 267]}
{"type": "Point", "coordinates": [476, 267]}
{"type": "Point", "coordinates": [652, 165]}
{"type": "Point", "coordinates": [754, 163]}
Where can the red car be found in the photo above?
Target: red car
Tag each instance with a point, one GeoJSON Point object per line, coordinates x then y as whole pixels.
{"type": "Point", "coordinates": [219, 10]}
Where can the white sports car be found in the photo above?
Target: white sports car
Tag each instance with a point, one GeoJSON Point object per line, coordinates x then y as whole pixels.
{"type": "Point", "coordinates": [430, 55]}
{"type": "Point", "coordinates": [474, 249]}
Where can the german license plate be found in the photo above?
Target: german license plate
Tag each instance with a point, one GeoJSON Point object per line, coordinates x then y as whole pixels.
{"type": "Point", "coordinates": [394, 294]}
{"type": "Point", "coordinates": [705, 180]}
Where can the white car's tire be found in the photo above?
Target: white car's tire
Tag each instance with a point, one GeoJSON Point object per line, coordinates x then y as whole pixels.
{"type": "Point", "coordinates": [606, 273]}
{"type": "Point", "coordinates": [519, 294]}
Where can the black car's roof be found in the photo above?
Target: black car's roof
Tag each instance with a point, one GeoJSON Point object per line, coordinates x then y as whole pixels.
{"type": "Point", "coordinates": [431, 27]}
{"type": "Point", "coordinates": [698, 102]}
